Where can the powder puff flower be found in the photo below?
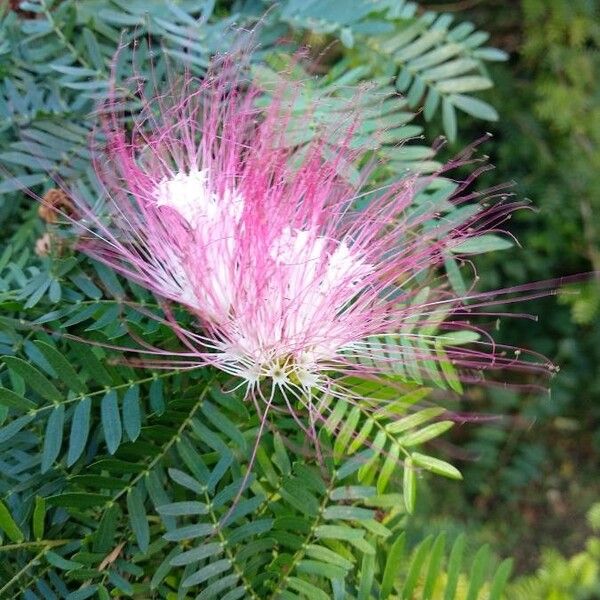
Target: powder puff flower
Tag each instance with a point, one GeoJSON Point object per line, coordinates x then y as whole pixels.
{"type": "Point", "coordinates": [295, 277]}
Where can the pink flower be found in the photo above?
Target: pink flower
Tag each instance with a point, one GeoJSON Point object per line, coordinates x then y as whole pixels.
{"type": "Point", "coordinates": [295, 276]}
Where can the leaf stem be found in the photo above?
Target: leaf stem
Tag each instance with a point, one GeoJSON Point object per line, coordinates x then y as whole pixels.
{"type": "Point", "coordinates": [34, 544]}
{"type": "Point", "coordinates": [24, 570]}
{"type": "Point", "coordinates": [299, 555]}
{"type": "Point", "coordinates": [61, 36]}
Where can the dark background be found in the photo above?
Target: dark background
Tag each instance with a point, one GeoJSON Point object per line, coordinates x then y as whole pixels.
{"type": "Point", "coordinates": [534, 475]}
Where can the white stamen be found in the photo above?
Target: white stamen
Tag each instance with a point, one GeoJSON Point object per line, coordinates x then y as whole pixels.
{"type": "Point", "coordinates": [191, 196]}
{"type": "Point", "coordinates": [316, 280]}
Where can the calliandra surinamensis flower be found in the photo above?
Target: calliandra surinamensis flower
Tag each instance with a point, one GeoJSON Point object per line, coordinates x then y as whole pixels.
{"type": "Point", "coordinates": [297, 278]}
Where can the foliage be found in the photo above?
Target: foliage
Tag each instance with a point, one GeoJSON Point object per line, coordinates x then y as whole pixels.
{"type": "Point", "coordinates": [126, 482]}
{"type": "Point", "coordinates": [547, 100]}
{"type": "Point", "coordinates": [560, 578]}
{"type": "Point", "coordinates": [531, 471]}
{"type": "Point", "coordinates": [107, 471]}
{"type": "Point", "coordinates": [566, 92]}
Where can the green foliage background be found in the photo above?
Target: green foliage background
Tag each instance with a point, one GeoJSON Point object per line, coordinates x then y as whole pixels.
{"type": "Point", "coordinates": [112, 479]}
{"type": "Point", "coordinates": [536, 476]}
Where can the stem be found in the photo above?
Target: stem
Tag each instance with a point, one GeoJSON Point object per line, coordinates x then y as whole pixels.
{"type": "Point", "coordinates": [18, 575]}
{"type": "Point", "coordinates": [228, 551]}
{"type": "Point", "coordinates": [34, 544]}
{"type": "Point", "coordinates": [61, 36]}
{"type": "Point", "coordinates": [35, 411]}
{"type": "Point", "coordinates": [175, 438]}
{"type": "Point", "coordinates": [299, 555]}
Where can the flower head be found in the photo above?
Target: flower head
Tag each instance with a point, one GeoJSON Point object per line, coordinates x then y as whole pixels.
{"type": "Point", "coordinates": [295, 276]}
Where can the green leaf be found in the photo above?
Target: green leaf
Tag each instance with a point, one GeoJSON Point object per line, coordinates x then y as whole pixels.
{"type": "Point", "coordinates": [103, 593]}
{"type": "Point", "coordinates": [409, 486]}
{"type": "Point", "coordinates": [110, 280]}
{"type": "Point", "coordinates": [100, 482]}
{"type": "Point", "coordinates": [447, 367]}
{"type": "Point", "coordinates": [454, 564]}
{"type": "Point", "coordinates": [368, 470]}
{"type": "Point", "coordinates": [471, 83]}
{"type": "Point", "coordinates": [455, 276]}
{"type": "Point", "coordinates": [346, 433]}
{"type": "Point", "coordinates": [431, 103]}
{"type": "Point", "coordinates": [281, 458]}
{"type": "Point", "coordinates": [392, 566]}
{"type": "Point", "coordinates": [403, 80]}
{"type": "Point", "coordinates": [93, 48]}
{"type": "Point", "coordinates": [120, 583]}
{"type": "Point", "coordinates": [478, 570]}
{"type": "Point", "coordinates": [211, 570]}
{"type": "Point", "coordinates": [321, 569]}
{"type": "Point", "coordinates": [341, 532]}
{"type": "Point", "coordinates": [388, 468]}
{"type": "Point", "coordinates": [10, 430]}
{"type": "Point", "coordinates": [307, 589]}
{"type": "Point", "coordinates": [415, 419]}
{"type": "Point", "coordinates": [138, 519]}
{"type": "Point", "coordinates": [300, 498]}
{"type": "Point", "coordinates": [482, 243]}
{"type": "Point", "coordinates": [163, 569]}
{"type": "Point", "coordinates": [186, 481]}
{"type": "Point", "coordinates": [189, 532]}
{"type": "Point", "coordinates": [358, 440]}
{"type": "Point", "coordinates": [352, 492]}
{"type": "Point", "coordinates": [427, 433]}
{"type": "Point", "coordinates": [450, 69]}
{"type": "Point", "coordinates": [34, 379]}
{"type": "Point", "coordinates": [221, 422]}
{"type": "Point", "coordinates": [355, 463]}
{"type": "Point", "coordinates": [435, 465]}
{"type": "Point", "coordinates": [214, 590]}
{"type": "Point", "coordinates": [500, 579]}
{"type": "Point", "coordinates": [491, 54]}
{"type": "Point", "coordinates": [458, 338]}
{"type": "Point", "coordinates": [157, 399]}
{"type": "Point", "coordinates": [435, 566]}
{"type": "Point", "coordinates": [62, 367]}
{"type": "Point", "coordinates": [132, 418]}
{"type": "Point", "coordinates": [197, 554]}
{"type": "Point", "coordinates": [353, 513]}
{"type": "Point", "coordinates": [328, 556]}
{"type": "Point", "coordinates": [105, 534]}
{"type": "Point", "coordinates": [475, 107]}
{"type": "Point", "coordinates": [93, 366]}
{"type": "Point", "coordinates": [267, 467]}
{"type": "Point", "coordinates": [83, 594]}
{"type": "Point", "coordinates": [80, 427]}
{"type": "Point", "coordinates": [39, 515]}
{"type": "Point", "coordinates": [33, 297]}
{"type": "Point", "coordinates": [367, 575]}
{"type": "Point", "coordinates": [61, 563]}
{"type": "Point", "coordinates": [336, 415]}
{"type": "Point", "coordinates": [8, 525]}
{"type": "Point", "coordinates": [416, 565]}
{"type": "Point", "coordinates": [111, 421]}
{"type": "Point", "coordinates": [21, 182]}
{"type": "Point", "coordinates": [12, 400]}
{"type": "Point", "coordinates": [252, 528]}
{"type": "Point", "coordinates": [449, 119]}
{"type": "Point", "coordinates": [178, 509]}
{"type": "Point", "coordinates": [53, 437]}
